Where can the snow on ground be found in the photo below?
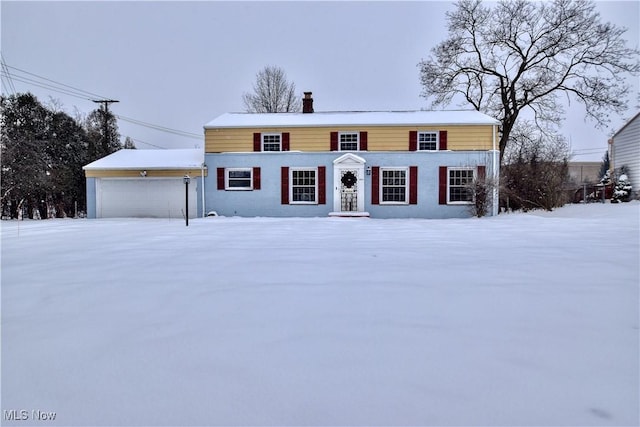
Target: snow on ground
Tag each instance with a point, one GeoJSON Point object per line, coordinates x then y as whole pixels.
{"type": "Point", "coordinates": [521, 319]}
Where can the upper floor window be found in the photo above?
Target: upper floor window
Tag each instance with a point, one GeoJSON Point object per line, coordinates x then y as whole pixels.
{"type": "Point", "coordinates": [271, 142]}
{"type": "Point", "coordinates": [427, 141]}
{"type": "Point", "coordinates": [349, 141]}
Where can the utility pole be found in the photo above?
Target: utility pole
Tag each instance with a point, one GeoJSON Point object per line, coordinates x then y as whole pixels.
{"type": "Point", "coordinates": [105, 122]}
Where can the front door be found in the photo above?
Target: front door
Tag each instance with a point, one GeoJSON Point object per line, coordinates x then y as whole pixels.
{"type": "Point", "coordinates": [349, 190]}
{"type": "Point", "coordinates": [348, 185]}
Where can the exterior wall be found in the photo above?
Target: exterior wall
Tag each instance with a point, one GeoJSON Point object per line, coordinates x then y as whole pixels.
{"type": "Point", "coordinates": [91, 197]}
{"type": "Point", "coordinates": [380, 138]}
{"type": "Point", "coordinates": [267, 200]}
{"type": "Point", "coordinates": [626, 151]}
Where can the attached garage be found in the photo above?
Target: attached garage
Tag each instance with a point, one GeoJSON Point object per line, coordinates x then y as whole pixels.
{"type": "Point", "coordinates": [143, 198]}
{"type": "Point", "coordinates": [145, 184]}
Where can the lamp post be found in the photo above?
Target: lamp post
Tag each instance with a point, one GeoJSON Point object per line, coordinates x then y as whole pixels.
{"type": "Point", "coordinates": [186, 179]}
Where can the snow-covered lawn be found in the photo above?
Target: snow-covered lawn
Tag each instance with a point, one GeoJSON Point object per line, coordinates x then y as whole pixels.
{"type": "Point", "coordinates": [521, 319]}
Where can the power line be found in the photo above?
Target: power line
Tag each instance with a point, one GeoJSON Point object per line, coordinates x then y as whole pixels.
{"type": "Point", "coordinates": [9, 84]}
{"type": "Point", "coordinates": [69, 90]}
{"type": "Point", "coordinates": [84, 93]}
{"type": "Point", "coordinates": [159, 128]}
{"type": "Point", "coordinates": [604, 148]}
{"type": "Point", "coordinates": [147, 143]}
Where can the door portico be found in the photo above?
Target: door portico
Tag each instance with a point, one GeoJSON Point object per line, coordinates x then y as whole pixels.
{"type": "Point", "coordinates": [348, 186]}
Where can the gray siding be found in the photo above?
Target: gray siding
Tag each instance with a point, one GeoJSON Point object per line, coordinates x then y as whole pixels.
{"type": "Point", "coordinates": [626, 151]}
{"type": "Point", "coordinates": [267, 200]}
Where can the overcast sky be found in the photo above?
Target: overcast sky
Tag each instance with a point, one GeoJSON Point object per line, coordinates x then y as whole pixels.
{"type": "Point", "coordinates": [181, 64]}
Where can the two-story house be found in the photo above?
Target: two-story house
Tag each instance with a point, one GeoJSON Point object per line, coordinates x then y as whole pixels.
{"type": "Point", "coordinates": [391, 164]}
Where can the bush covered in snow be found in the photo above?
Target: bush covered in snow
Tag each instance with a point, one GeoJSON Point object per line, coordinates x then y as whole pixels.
{"type": "Point", "coordinates": [622, 190]}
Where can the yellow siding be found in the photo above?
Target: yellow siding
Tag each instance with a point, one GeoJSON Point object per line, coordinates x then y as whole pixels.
{"type": "Point", "coordinates": [160, 173]}
{"type": "Point", "coordinates": [380, 138]}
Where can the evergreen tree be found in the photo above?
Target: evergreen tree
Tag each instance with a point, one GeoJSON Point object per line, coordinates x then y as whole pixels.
{"type": "Point", "coordinates": [129, 144]}
{"type": "Point", "coordinates": [24, 123]}
{"type": "Point", "coordinates": [604, 167]}
{"type": "Point", "coordinates": [622, 190]}
{"type": "Point", "coordinates": [102, 132]}
{"type": "Point", "coordinates": [66, 157]}
{"type": "Point", "coordinates": [43, 150]}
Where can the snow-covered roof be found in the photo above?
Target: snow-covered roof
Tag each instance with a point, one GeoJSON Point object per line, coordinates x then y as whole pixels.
{"type": "Point", "coordinates": [150, 159]}
{"type": "Point", "coordinates": [352, 118]}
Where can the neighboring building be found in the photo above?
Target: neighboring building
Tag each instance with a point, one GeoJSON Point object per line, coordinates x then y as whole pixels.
{"type": "Point", "coordinates": [584, 172]}
{"type": "Point", "coordinates": [393, 164]}
{"type": "Point", "coordinates": [145, 183]}
{"type": "Point", "coordinates": [625, 151]}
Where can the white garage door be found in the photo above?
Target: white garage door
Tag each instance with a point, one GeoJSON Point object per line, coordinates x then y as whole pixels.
{"type": "Point", "coordinates": [144, 197]}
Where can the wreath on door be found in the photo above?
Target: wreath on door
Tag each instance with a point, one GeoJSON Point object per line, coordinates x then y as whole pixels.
{"type": "Point", "coordinates": [349, 179]}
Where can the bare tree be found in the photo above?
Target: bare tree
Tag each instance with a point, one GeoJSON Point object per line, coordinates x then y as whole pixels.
{"type": "Point", "coordinates": [272, 93]}
{"type": "Point", "coordinates": [535, 169]}
{"type": "Point", "coordinates": [482, 190]}
{"type": "Point", "coordinates": [520, 55]}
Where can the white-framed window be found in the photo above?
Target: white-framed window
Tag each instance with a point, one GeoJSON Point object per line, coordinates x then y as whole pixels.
{"type": "Point", "coordinates": [427, 141]}
{"type": "Point", "coordinates": [238, 179]}
{"type": "Point", "coordinates": [271, 142]}
{"type": "Point", "coordinates": [458, 185]}
{"type": "Point", "coordinates": [348, 141]}
{"type": "Point", "coordinates": [394, 185]}
{"type": "Point", "coordinates": [303, 187]}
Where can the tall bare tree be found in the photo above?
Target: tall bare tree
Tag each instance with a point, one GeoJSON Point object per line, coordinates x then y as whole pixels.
{"type": "Point", "coordinates": [272, 93]}
{"type": "Point", "coordinates": [520, 55]}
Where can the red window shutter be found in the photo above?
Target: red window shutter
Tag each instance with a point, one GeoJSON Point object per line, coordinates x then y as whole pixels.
{"type": "Point", "coordinates": [220, 172]}
{"type": "Point", "coordinates": [257, 141]}
{"type": "Point", "coordinates": [334, 141]}
{"type": "Point", "coordinates": [443, 140]}
{"type": "Point", "coordinates": [442, 185]}
{"type": "Point", "coordinates": [413, 185]}
{"type": "Point", "coordinates": [375, 185]}
{"type": "Point", "coordinates": [363, 141]}
{"type": "Point", "coordinates": [482, 173]}
{"type": "Point", "coordinates": [322, 185]}
{"type": "Point", "coordinates": [285, 141]}
{"type": "Point", "coordinates": [256, 178]}
{"type": "Point", "coordinates": [284, 185]}
{"type": "Point", "coordinates": [413, 140]}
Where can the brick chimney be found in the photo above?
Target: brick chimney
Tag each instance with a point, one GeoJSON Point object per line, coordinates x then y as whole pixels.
{"type": "Point", "coordinates": [307, 103]}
